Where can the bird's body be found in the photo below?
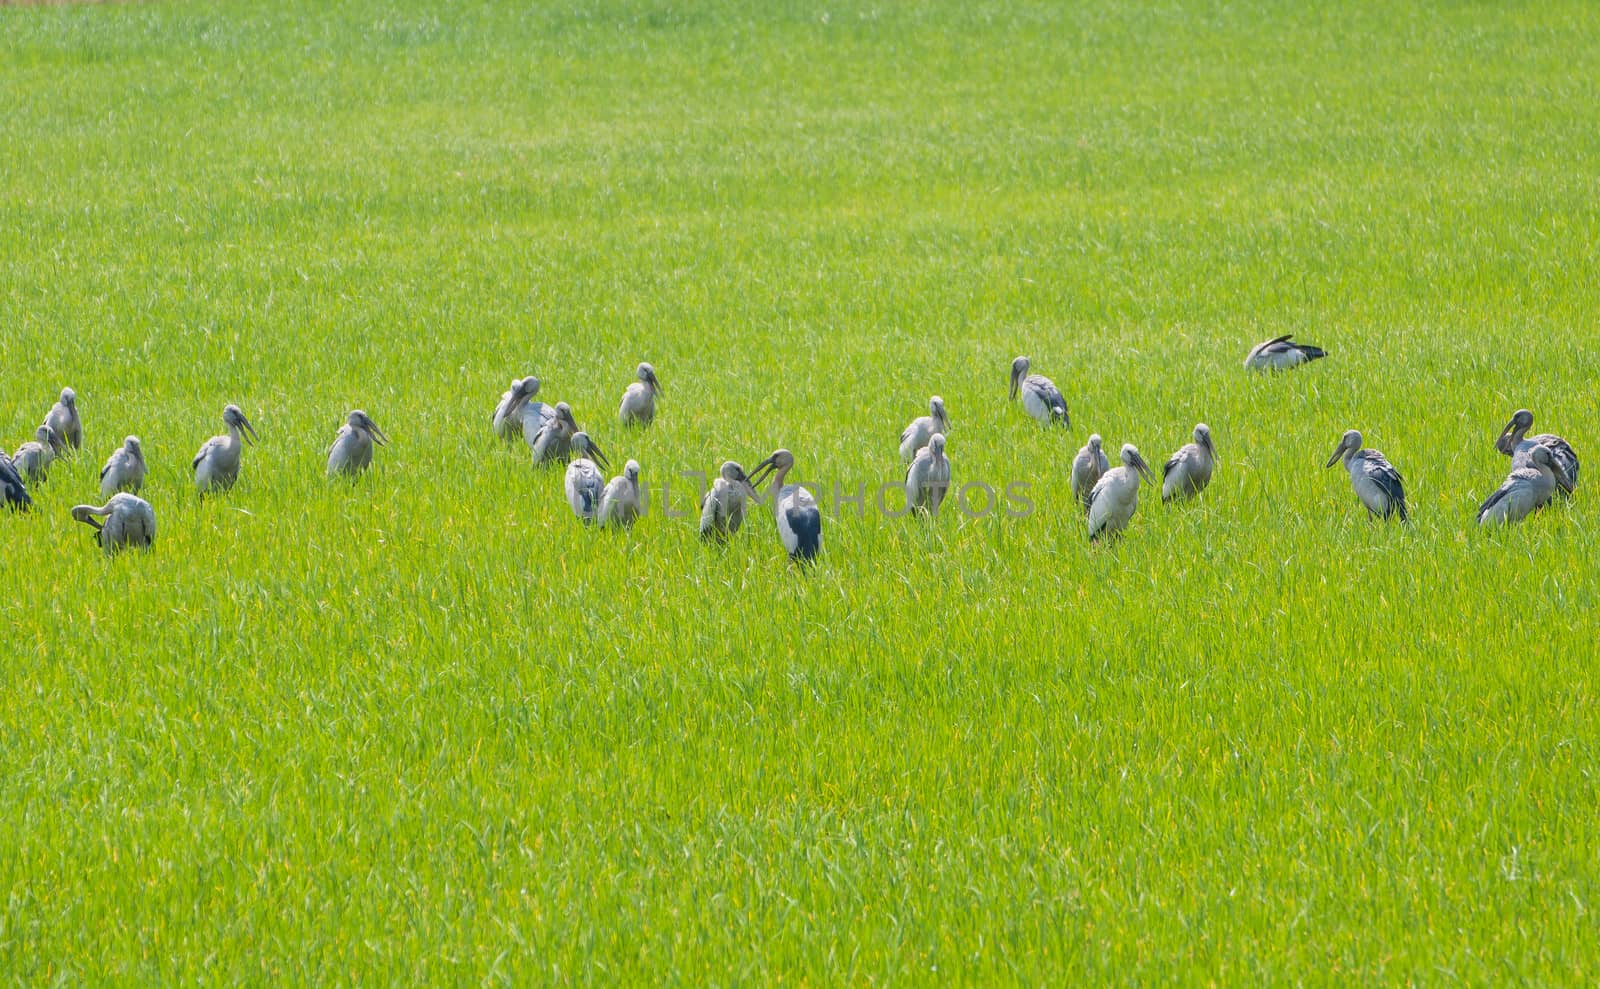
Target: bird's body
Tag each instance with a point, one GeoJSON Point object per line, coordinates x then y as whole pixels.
{"type": "Point", "coordinates": [1376, 482]}
{"type": "Point", "coordinates": [722, 510]}
{"type": "Point", "coordinates": [63, 419]}
{"type": "Point", "coordinates": [1515, 443]}
{"type": "Point", "coordinates": [12, 491]}
{"type": "Point", "coordinates": [1088, 467]}
{"type": "Point", "coordinates": [922, 428]}
{"type": "Point", "coordinates": [552, 440]}
{"type": "Point", "coordinates": [620, 503]}
{"type": "Point", "coordinates": [1525, 490]}
{"type": "Point", "coordinates": [928, 477]}
{"type": "Point", "coordinates": [1188, 471]}
{"type": "Point", "coordinates": [1281, 353]}
{"type": "Point", "coordinates": [129, 521]}
{"type": "Point", "coordinates": [515, 406]}
{"type": "Point", "coordinates": [1115, 496]}
{"type": "Point", "coordinates": [216, 466]}
{"type": "Point", "coordinates": [33, 458]}
{"type": "Point", "coordinates": [639, 399]}
{"type": "Point", "coordinates": [585, 484]}
{"type": "Point", "coordinates": [793, 507]}
{"type": "Point", "coordinates": [124, 469]}
{"type": "Point", "coordinates": [351, 452]}
{"type": "Point", "coordinates": [1040, 397]}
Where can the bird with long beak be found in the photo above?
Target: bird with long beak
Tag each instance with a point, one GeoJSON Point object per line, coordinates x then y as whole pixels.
{"type": "Point", "coordinates": [515, 404]}
{"type": "Point", "coordinates": [722, 509]}
{"type": "Point", "coordinates": [351, 452]}
{"type": "Point", "coordinates": [928, 477]}
{"type": "Point", "coordinates": [124, 469]}
{"type": "Point", "coordinates": [13, 492]}
{"type": "Point", "coordinates": [129, 521]}
{"type": "Point", "coordinates": [63, 419]}
{"type": "Point", "coordinates": [922, 428]}
{"type": "Point", "coordinates": [1040, 397]}
{"type": "Point", "coordinates": [639, 399]}
{"type": "Point", "coordinates": [1115, 496]}
{"type": "Point", "coordinates": [1087, 468]}
{"type": "Point", "coordinates": [793, 507]}
{"type": "Point", "coordinates": [620, 503]}
{"type": "Point", "coordinates": [216, 466]}
{"type": "Point", "coordinates": [1525, 490]}
{"type": "Point", "coordinates": [1188, 471]}
{"type": "Point", "coordinates": [1376, 482]}
{"type": "Point", "coordinates": [1515, 443]}
{"type": "Point", "coordinates": [1281, 353]}
{"type": "Point", "coordinates": [552, 442]}
{"type": "Point", "coordinates": [585, 484]}
{"type": "Point", "coordinates": [33, 458]}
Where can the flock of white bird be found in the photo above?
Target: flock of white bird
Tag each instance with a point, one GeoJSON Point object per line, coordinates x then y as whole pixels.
{"type": "Point", "coordinates": [1541, 465]}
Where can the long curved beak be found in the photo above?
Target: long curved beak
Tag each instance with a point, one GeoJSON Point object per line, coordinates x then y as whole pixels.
{"type": "Point", "coordinates": [56, 445]}
{"type": "Point", "coordinates": [1337, 452]}
{"type": "Point", "coordinates": [1014, 379]}
{"type": "Point", "coordinates": [249, 431]}
{"type": "Point", "coordinates": [377, 433]}
{"type": "Point", "coordinates": [759, 476]}
{"type": "Point", "coordinates": [1210, 448]}
{"type": "Point", "coordinates": [1144, 469]}
{"type": "Point", "coordinates": [1507, 438]}
{"type": "Point", "coordinates": [599, 457]}
{"type": "Point", "coordinates": [655, 383]}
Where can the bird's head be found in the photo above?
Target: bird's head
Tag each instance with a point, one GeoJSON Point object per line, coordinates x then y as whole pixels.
{"type": "Point", "coordinates": [235, 419]}
{"type": "Point", "coordinates": [360, 420]}
{"type": "Point", "coordinates": [1349, 443]}
{"type": "Point", "coordinates": [69, 398]}
{"type": "Point", "coordinates": [1019, 370]}
{"type": "Point", "coordinates": [1132, 458]}
{"type": "Point", "coordinates": [1202, 436]}
{"type": "Point", "coordinates": [647, 374]}
{"type": "Point", "coordinates": [779, 463]}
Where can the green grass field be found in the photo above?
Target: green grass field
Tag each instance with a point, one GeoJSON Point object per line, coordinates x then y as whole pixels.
{"type": "Point", "coordinates": [426, 728]}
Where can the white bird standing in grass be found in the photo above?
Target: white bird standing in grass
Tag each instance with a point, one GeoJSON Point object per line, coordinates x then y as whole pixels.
{"type": "Point", "coordinates": [922, 428]}
{"type": "Point", "coordinates": [1188, 471]}
{"type": "Point", "coordinates": [639, 399]}
{"type": "Point", "coordinates": [12, 491]}
{"type": "Point", "coordinates": [793, 507]}
{"type": "Point", "coordinates": [620, 504]}
{"type": "Point", "coordinates": [1515, 443]}
{"type": "Point", "coordinates": [33, 458]}
{"type": "Point", "coordinates": [722, 509]}
{"type": "Point", "coordinates": [514, 405]}
{"type": "Point", "coordinates": [216, 466]}
{"type": "Point", "coordinates": [63, 419]}
{"type": "Point", "coordinates": [1040, 397]}
{"type": "Point", "coordinates": [124, 469]}
{"type": "Point", "coordinates": [1281, 353]}
{"type": "Point", "coordinates": [1115, 496]}
{"type": "Point", "coordinates": [129, 521]}
{"type": "Point", "coordinates": [351, 453]}
{"type": "Point", "coordinates": [1525, 491]}
{"type": "Point", "coordinates": [1377, 484]}
{"type": "Point", "coordinates": [585, 483]}
{"type": "Point", "coordinates": [928, 477]}
{"type": "Point", "coordinates": [1087, 468]}
{"type": "Point", "coordinates": [552, 441]}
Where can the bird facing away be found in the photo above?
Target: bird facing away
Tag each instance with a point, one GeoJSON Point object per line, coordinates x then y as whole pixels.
{"type": "Point", "coordinates": [1515, 443]}
{"type": "Point", "coordinates": [1188, 471]}
{"type": "Point", "coordinates": [585, 483]}
{"type": "Point", "coordinates": [639, 399]}
{"type": "Point", "coordinates": [1087, 468]}
{"type": "Point", "coordinates": [129, 521]}
{"type": "Point", "coordinates": [515, 404]}
{"type": "Point", "coordinates": [351, 453]}
{"type": "Point", "coordinates": [1281, 353]}
{"type": "Point", "coordinates": [1377, 484]}
{"type": "Point", "coordinates": [620, 504]}
{"type": "Point", "coordinates": [793, 507]}
{"type": "Point", "coordinates": [1525, 491]}
{"type": "Point", "coordinates": [552, 440]}
{"type": "Point", "coordinates": [1040, 397]}
{"type": "Point", "coordinates": [722, 509]}
{"type": "Point", "coordinates": [928, 477]}
{"type": "Point", "coordinates": [33, 458]}
{"type": "Point", "coordinates": [12, 491]}
{"type": "Point", "coordinates": [124, 469]}
{"type": "Point", "coordinates": [922, 428]}
{"type": "Point", "coordinates": [216, 466]}
{"type": "Point", "coordinates": [63, 419]}
{"type": "Point", "coordinates": [1115, 496]}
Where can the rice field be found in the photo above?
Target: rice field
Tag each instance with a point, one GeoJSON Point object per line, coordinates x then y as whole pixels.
{"type": "Point", "coordinates": [425, 727]}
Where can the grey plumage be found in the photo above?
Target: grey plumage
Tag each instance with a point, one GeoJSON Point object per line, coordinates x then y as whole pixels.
{"type": "Point", "coordinates": [584, 482]}
{"type": "Point", "coordinates": [63, 419]}
{"type": "Point", "coordinates": [928, 477]}
{"type": "Point", "coordinates": [1515, 443]}
{"type": "Point", "coordinates": [1187, 472]}
{"type": "Point", "coordinates": [639, 399]}
{"type": "Point", "coordinates": [1524, 491]}
{"type": "Point", "coordinates": [1088, 467]}
{"type": "Point", "coordinates": [33, 458]}
{"type": "Point", "coordinates": [552, 441]}
{"type": "Point", "coordinates": [124, 469]}
{"type": "Point", "coordinates": [922, 428]}
{"type": "Point", "coordinates": [514, 405]}
{"type": "Point", "coordinates": [1376, 482]}
{"type": "Point", "coordinates": [722, 509]}
{"type": "Point", "coordinates": [1281, 353]}
{"type": "Point", "coordinates": [621, 503]}
{"type": "Point", "coordinates": [351, 452]}
{"type": "Point", "coordinates": [1115, 497]}
{"type": "Point", "coordinates": [129, 521]}
{"type": "Point", "coordinates": [12, 491]}
{"type": "Point", "coordinates": [216, 466]}
{"type": "Point", "coordinates": [1040, 397]}
{"type": "Point", "coordinates": [793, 507]}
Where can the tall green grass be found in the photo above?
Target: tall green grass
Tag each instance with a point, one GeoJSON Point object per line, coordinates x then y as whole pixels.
{"type": "Point", "coordinates": [426, 728]}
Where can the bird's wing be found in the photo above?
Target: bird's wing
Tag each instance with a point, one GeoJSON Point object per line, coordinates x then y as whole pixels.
{"type": "Point", "coordinates": [1384, 475]}
{"type": "Point", "coordinates": [1172, 463]}
{"type": "Point", "coordinates": [1275, 344]}
{"type": "Point", "coordinates": [805, 523]}
{"type": "Point", "coordinates": [205, 448]}
{"type": "Point", "coordinates": [1499, 495]}
{"type": "Point", "coordinates": [107, 468]}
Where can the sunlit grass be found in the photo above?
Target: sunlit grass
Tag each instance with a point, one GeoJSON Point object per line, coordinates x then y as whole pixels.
{"type": "Point", "coordinates": [424, 727]}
